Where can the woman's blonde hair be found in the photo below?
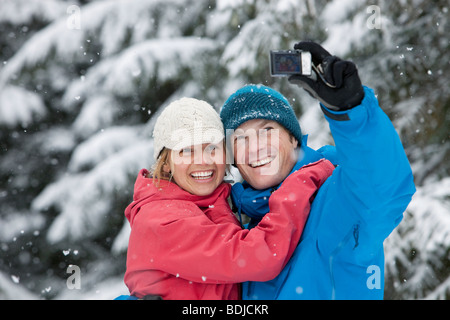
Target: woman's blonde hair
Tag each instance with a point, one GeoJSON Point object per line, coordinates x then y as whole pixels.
{"type": "Point", "coordinates": [156, 171]}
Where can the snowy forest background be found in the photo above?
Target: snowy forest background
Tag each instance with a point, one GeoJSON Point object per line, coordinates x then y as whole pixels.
{"type": "Point", "coordinates": [81, 83]}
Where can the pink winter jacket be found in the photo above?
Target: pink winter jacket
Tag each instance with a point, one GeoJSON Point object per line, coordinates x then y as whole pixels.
{"type": "Point", "coordinates": [184, 246]}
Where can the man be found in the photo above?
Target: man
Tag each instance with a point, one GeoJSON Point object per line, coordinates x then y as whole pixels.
{"type": "Point", "coordinates": [340, 254]}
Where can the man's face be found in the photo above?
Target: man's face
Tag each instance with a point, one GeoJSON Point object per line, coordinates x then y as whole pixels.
{"type": "Point", "coordinates": [264, 152]}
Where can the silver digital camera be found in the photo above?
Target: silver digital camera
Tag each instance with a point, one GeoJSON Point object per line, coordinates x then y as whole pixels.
{"type": "Point", "coordinates": [288, 62]}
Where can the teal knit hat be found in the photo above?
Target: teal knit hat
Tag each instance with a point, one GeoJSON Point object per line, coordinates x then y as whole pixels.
{"type": "Point", "coordinates": [259, 102]}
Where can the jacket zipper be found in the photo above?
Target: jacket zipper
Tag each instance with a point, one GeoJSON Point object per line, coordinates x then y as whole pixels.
{"type": "Point", "coordinates": [353, 231]}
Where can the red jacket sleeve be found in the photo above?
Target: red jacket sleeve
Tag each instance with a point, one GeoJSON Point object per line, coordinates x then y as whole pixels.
{"type": "Point", "coordinates": [182, 240]}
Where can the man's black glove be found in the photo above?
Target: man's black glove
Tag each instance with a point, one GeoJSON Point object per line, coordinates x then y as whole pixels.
{"type": "Point", "coordinates": [337, 86]}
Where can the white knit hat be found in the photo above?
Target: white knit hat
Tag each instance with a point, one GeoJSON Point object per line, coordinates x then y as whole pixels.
{"type": "Point", "coordinates": [186, 122]}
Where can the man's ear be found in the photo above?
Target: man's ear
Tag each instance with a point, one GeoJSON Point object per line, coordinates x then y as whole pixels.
{"type": "Point", "coordinates": [294, 142]}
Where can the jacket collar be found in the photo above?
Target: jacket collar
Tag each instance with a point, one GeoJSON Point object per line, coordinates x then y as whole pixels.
{"type": "Point", "coordinates": [145, 192]}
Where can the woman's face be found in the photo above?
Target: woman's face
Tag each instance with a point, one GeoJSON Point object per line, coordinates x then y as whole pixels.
{"type": "Point", "coordinates": [198, 169]}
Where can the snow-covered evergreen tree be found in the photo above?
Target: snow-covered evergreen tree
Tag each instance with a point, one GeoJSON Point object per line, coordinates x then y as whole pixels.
{"type": "Point", "coordinates": [81, 86]}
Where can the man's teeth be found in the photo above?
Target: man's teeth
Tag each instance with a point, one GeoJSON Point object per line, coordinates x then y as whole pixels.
{"type": "Point", "coordinates": [261, 162]}
{"type": "Point", "coordinates": [202, 174]}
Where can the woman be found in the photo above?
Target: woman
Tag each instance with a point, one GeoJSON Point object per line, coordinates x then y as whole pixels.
{"type": "Point", "coordinates": [185, 243]}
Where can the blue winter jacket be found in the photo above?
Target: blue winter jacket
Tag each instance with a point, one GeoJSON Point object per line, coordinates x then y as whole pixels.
{"type": "Point", "coordinates": [340, 254]}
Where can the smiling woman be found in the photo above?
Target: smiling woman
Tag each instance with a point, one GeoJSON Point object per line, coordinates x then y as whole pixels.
{"type": "Point", "coordinates": [197, 169]}
{"type": "Point", "coordinates": [189, 146]}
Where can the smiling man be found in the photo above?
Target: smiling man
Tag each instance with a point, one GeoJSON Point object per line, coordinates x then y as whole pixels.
{"type": "Point", "coordinates": [265, 152]}
{"type": "Point", "coordinates": [265, 135]}
{"type": "Point", "coordinates": [340, 254]}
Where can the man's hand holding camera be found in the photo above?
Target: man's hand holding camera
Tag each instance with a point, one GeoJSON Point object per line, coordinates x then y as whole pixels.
{"type": "Point", "coordinates": [345, 91]}
{"type": "Point", "coordinates": [336, 83]}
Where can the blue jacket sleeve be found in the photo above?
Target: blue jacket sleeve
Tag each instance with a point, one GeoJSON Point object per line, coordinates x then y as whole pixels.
{"type": "Point", "coordinates": [373, 184]}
